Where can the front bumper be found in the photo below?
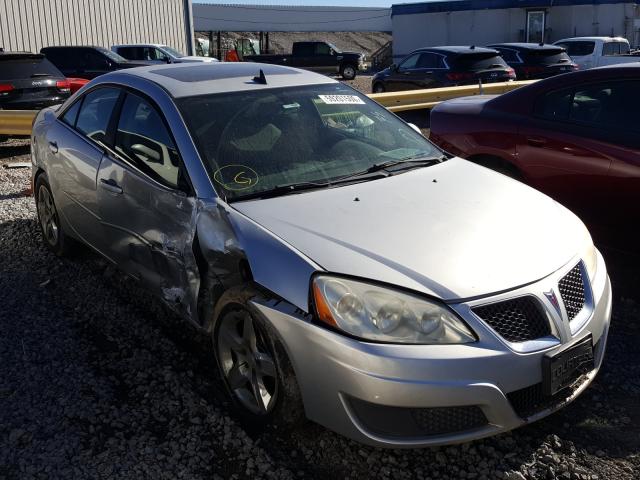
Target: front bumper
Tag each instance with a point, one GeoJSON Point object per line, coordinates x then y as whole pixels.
{"type": "Point", "coordinates": [349, 385]}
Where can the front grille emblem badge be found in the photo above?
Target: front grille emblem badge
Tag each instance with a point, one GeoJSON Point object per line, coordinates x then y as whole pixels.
{"type": "Point", "coordinates": [551, 296]}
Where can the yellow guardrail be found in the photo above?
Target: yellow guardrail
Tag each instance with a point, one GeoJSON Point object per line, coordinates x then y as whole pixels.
{"type": "Point", "coordinates": [16, 122]}
{"type": "Point", "coordinates": [427, 99]}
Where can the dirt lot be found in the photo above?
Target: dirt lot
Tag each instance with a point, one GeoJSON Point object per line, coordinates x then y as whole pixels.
{"type": "Point", "coordinates": [97, 380]}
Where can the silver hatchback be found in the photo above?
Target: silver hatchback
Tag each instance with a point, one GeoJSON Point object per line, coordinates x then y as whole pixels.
{"type": "Point", "coordinates": [347, 270]}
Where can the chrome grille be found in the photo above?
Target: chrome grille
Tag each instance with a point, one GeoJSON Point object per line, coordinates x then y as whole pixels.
{"type": "Point", "coordinates": [571, 288]}
{"type": "Point", "coordinates": [517, 320]}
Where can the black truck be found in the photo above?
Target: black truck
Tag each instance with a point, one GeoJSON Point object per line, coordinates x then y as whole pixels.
{"type": "Point", "coordinates": [320, 57]}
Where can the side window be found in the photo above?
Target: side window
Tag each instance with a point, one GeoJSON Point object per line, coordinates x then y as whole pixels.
{"type": "Point", "coordinates": [430, 60]}
{"type": "Point", "coordinates": [304, 49]}
{"type": "Point", "coordinates": [509, 56]}
{"type": "Point", "coordinates": [157, 54]}
{"type": "Point", "coordinates": [611, 105]}
{"type": "Point", "coordinates": [610, 48]}
{"type": "Point", "coordinates": [70, 115]}
{"type": "Point", "coordinates": [323, 49]}
{"type": "Point", "coordinates": [410, 62]}
{"type": "Point", "coordinates": [95, 113]}
{"type": "Point", "coordinates": [555, 105]}
{"type": "Point", "coordinates": [143, 139]}
{"type": "Point", "coordinates": [95, 61]}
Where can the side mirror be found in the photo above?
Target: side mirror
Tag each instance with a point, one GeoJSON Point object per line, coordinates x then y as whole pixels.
{"type": "Point", "coordinates": [167, 59]}
{"type": "Point", "coordinates": [393, 67]}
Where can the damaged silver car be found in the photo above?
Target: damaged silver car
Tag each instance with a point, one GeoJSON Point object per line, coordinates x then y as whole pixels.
{"type": "Point", "coordinates": [347, 270]}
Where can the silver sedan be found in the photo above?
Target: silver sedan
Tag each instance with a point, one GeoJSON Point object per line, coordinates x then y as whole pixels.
{"type": "Point", "coordinates": [347, 270]}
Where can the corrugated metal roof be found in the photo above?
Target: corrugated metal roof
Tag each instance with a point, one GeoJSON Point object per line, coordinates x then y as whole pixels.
{"type": "Point", "coordinates": [465, 5]}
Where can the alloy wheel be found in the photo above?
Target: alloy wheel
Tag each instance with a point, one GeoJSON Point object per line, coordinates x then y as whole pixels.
{"type": "Point", "coordinates": [247, 362]}
{"type": "Point", "coordinates": [48, 215]}
{"type": "Point", "coordinates": [349, 72]}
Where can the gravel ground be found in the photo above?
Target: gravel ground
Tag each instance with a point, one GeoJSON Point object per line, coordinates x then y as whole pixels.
{"type": "Point", "coordinates": [97, 380]}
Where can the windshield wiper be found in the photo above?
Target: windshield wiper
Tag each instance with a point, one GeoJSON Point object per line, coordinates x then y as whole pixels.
{"type": "Point", "coordinates": [279, 190]}
{"type": "Point", "coordinates": [376, 168]}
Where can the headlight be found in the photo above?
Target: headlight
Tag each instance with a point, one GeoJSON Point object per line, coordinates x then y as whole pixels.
{"type": "Point", "coordinates": [378, 313]}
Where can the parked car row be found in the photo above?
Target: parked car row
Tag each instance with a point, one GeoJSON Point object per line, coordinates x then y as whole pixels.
{"type": "Point", "coordinates": [452, 66]}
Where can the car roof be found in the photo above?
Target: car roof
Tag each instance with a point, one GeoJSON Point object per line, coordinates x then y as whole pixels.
{"type": "Point", "coordinates": [19, 55]}
{"type": "Point", "coordinates": [525, 46]}
{"type": "Point", "coordinates": [139, 45]}
{"type": "Point", "coordinates": [591, 39]}
{"type": "Point", "coordinates": [96, 47]}
{"type": "Point", "coordinates": [191, 79]}
{"type": "Point", "coordinates": [458, 49]}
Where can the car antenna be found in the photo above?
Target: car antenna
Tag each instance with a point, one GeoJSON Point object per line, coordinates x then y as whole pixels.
{"type": "Point", "coordinates": [261, 79]}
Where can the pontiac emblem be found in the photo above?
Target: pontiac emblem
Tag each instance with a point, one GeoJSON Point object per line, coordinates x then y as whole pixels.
{"type": "Point", "coordinates": [551, 296]}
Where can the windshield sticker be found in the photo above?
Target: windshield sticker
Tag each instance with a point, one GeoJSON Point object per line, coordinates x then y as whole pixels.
{"type": "Point", "coordinates": [236, 177]}
{"type": "Point", "coordinates": [341, 99]}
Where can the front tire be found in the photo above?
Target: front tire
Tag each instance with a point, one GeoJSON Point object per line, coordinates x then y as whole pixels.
{"type": "Point", "coordinates": [53, 234]}
{"type": "Point", "coordinates": [256, 371]}
{"type": "Point", "coordinates": [348, 72]}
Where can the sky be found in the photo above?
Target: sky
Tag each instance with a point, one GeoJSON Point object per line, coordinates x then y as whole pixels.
{"type": "Point", "coordinates": [343, 3]}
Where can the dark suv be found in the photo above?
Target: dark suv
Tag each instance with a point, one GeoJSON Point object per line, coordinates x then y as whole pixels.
{"type": "Point", "coordinates": [28, 81]}
{"type": "Point", "coordinates": [443, 67]}
{"type": "Point", "coordinates": [534, 61]}
{"type": "Point", "coordinates": [87, 62]}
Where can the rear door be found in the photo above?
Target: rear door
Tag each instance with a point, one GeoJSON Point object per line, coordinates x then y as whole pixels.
{"type": "Point", "coordinates": [77, 142]}
{"type": "Point", "coordinates": [578, 147]}
{"type": "Point", "coordinates": [30, 82]}
{"type": "Point", "coordinates": [144, 203]}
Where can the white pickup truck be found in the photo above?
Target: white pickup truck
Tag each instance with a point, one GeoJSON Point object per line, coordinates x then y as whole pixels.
{"type": "Point", "coordinates": [590, 52]}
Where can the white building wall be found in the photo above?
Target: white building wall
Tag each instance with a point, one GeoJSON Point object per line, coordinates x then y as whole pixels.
{"type": "Point", "coordinates": [481, 27]}
{"type": "Point", "coordinates": [29, 25]}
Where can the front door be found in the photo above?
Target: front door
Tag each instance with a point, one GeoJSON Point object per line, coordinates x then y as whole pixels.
{"type": "Point", "coordinates": [76, 144]}
{"type": "Point", "coordinates": [145, 208]}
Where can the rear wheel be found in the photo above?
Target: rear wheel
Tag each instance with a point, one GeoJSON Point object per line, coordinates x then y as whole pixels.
{"type": "Point", "coordinates": [256, 370]}
{"type": "Point", "coordinates": [379, 88]}
{"type": "Point", "coordinates": [348, 72]}
{"type": "Point", "coordinates": [53, 234]}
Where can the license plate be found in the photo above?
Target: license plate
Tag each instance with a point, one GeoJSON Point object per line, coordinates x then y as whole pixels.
{"type": "Point", "coordinates": [563, 368]}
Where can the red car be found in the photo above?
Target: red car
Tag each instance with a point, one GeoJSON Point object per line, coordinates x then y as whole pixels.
{"type": "Point", "coordinates": [575, 137]}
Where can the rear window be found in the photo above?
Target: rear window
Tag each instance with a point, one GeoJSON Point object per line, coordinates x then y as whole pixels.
{"type": "Point", "coordinates": [21, 68]}
{"type": "Point", "coordinates": [478, 61]}
{"type": "Point", "coordinates": [578, 49]}
{"type": "Point", "coordinates": [547, 57]}
{"type": "Point", "coordinates": [615, 48]}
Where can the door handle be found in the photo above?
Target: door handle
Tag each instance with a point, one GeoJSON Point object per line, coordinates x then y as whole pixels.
{"type": "Point", "coordinates": [110, 185]}
{"type": "Point", "coordinates": [536, 142]}
{"type": "Point", "coordinates": [53, 146]}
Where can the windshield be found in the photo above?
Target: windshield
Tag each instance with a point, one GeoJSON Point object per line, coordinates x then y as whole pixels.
{"type": "Point", "coordinates": [172, 51]}
{"type": "Point", "coordinates": [112, 55]}
{"type": "Point", "coordinates": [334, 48]}
{"type": "Point", "coordinates": [257, 141]}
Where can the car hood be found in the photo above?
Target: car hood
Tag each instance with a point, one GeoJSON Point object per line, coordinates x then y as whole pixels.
{"type": "Point", "coordinates": [454, 230]}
